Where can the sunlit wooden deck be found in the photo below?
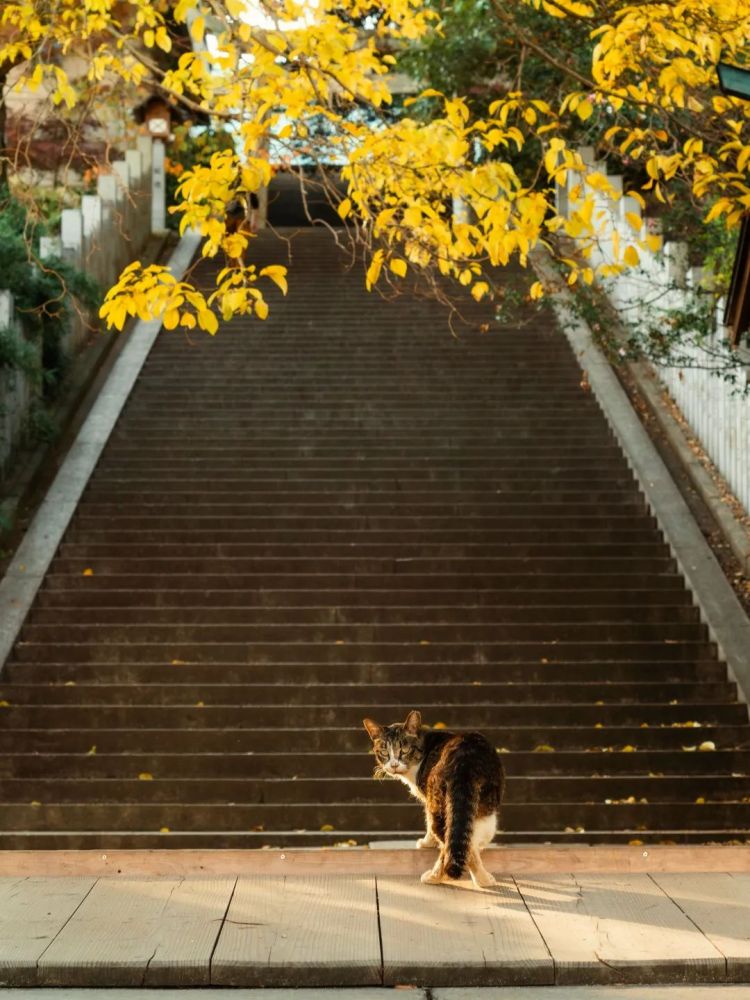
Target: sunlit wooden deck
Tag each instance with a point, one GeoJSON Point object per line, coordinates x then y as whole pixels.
{"type": "Point", "coordinates": [331, 922]}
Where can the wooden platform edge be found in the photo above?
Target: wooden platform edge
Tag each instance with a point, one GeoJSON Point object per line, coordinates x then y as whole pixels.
{"type": "Point", "coordinates": [514, 860]}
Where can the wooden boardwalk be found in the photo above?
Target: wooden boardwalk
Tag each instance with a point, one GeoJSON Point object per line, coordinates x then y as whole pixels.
{"type": "Point", "coordinates": [326, 930]}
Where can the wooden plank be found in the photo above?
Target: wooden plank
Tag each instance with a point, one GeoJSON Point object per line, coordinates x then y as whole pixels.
{"type": "Point", "coordinates": [439, 935]}
{"type": "Point", "coordinates": [530, 859]}
{"type": "Point", "coordinates": [300, 931]}
{"type": "Point", "coordinates": [720, 905]}
{"type": "Point", "coordinates": [136, 932]}
{"type": "Point", "coordinates": [618, 928]}
{"type": "Point", "coordinates": [32, 912]}
{"type": "Point", "coordinates": [680, 992]}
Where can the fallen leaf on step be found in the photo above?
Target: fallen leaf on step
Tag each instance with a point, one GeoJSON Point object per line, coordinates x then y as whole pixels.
{"type": "Point", "coordinates": [700, 801]}
{"type": "Point", "coordinates": [326, 828]}
{"type": "Point", "coordinates": [707, 745]}
{"type": "Point", "coordinates": [69, 684]}
{"type": "Point", "coordinates": [502, 749]}
{"type": "Point", "coordinates": [35, 803]}
{"type": "Point", "coordinates": [439, 725]}
{"type": "Point", "coordinates": [628, 748]}
{"type": "Point", "coordinates": [4, 704]}
{"type": "Point", "coordinates": [636, 843]}
{"type": "Point", "coordinates": [544, 748]}
{"type": "Point", "coordinates": [92, 751]}
{"type": "Point", "coordinates": [164, 829]}
{"type": "Point", "coordinates": [145, 776]}
{"type": "Point", "coordinates": [88, 572]}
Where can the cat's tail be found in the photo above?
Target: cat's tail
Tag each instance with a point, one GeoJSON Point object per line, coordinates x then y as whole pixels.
{"type": "Point", "coordinates": [461, 808]}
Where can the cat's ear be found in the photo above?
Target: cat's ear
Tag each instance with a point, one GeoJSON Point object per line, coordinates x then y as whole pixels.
{"type": "Point", "coordinates": [373, 729]}
{"type": "Point", "coordinates": [413, 723]}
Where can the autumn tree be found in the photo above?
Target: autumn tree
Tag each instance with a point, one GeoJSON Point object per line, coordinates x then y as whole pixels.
{"type": "Point", "coordinates": [640, 77]}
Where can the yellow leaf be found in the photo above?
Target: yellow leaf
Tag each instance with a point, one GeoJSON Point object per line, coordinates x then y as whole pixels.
{"type": "Point", "coordinates": [398, 266]}
{"type": "Point", "coordinates": [171, 319]}
{"type": "Point", "coordinates": [163, 40]}
{"type": "Point", "coordinates": [628, 748]}
{"type": "Point", "coordinates": [439, 725]}
{"type": "Point", "coordinates": [544, 748]}
{"type": "Point", "coordinates": [164, 829]}
{"type": "Point", "coordinates": [373, 271]}
{"type": "Point", "coordinates": [653, 242]}
{"type": "Point", "coordinates": [88, 572]}
{"type": "Point", "coordinates": [536, 291]}
{"type": "Point", "coordinates": [92, 751]}
{"type": "Point", "coordinates": [35, 803]}
{"type": "Point", "coordinates": [634, 220]}
{"type": "Point", "coordinates": [261, 309]}
{"type": "Point", "coordinates": [584, 110]}
{"type": "Point", "coordinates": [145, 776]}
{"type": "Point", "coordinates": [631, 257]}
{"type": "Point", "coordinates": [326, 828]}
{"type": "Point", "coordinates": [207, 320]}
{"type": "Point", "coordinates": [707, 745]}
{"type": "Point", "coordinates": [198, 28]}
{"type": "Point", "coordinates": [277, 274]}
{"type": "Point", "coordinates": [4, 704]}
{"type": "Point", "coordinates": [479, 290]}
{"type": "Point", "coordinates": [344, 207]}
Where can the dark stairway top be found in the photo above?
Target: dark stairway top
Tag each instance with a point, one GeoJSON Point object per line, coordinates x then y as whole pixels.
{"type": "Point", "coordinates": [347, 511]}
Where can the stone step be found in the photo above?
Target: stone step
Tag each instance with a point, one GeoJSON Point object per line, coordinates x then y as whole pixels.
{"type": "Point", "coordinates": [690, 717]}
{"type": "Point", "coordinates": [583, 604]}
{"type": "Point", "coordinates": [348, 816]}
{"type": "Point", "coordinates": [570, 765]}
{"type": "Point", "coordinates": [455, 692]}
{"type": "Point", "coordinates": [551, 738]}
{"type": "Point", "coordinates": [198, 614]}
{"type": "Point", "coordinates": [362, 652]}
{"type": "Point", "coordinates": [374, 633]}
{"type": "Point", "coordinates": [220, 839]}
{"type": "Point", "coordinates": [226, 793]}
{"type": "Point", "coordinates": [302, 673]}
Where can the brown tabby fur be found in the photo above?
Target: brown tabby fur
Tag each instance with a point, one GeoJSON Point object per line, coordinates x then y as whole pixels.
{"type": "Point", "coordinates": [458, 777]}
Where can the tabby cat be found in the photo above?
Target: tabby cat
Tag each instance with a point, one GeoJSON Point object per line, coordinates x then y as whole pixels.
{"type": "Point", "coordinates": [458, 777]}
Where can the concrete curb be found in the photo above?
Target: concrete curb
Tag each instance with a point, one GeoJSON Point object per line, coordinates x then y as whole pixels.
{"type": "Point", "coordinates": [719, 607]}
{"type": "Point", "coordinates": [26, 571]}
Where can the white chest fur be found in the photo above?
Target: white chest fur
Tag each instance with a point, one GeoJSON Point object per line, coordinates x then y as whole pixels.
{"type": "Point", "coordinates": [409, 778]}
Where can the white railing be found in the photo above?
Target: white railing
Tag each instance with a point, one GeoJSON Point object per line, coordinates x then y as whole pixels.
{"type": "Point", "coordinates": [716, 410]}
{"type": "Point", "coordinates": [107, 232]}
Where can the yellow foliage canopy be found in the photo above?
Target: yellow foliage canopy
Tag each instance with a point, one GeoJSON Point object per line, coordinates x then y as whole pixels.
{"type": "Point", "coordinates": [270, 66]}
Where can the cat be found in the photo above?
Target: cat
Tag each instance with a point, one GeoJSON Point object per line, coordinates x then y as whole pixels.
{"type": "Point", "coordinates": [458, 777]}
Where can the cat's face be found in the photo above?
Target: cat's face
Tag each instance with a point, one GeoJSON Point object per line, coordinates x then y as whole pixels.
{"type": "Point", "coordinates": [398, 748]}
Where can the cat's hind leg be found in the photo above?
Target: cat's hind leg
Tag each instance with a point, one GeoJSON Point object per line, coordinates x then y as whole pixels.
{"type": "Point", "coordinates": [479, 874]}
{"type": "Point", "coordinates": [482, 835]}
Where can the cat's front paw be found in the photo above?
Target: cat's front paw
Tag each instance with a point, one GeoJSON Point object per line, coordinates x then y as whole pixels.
{"type": "Point", "coordinates": [426, 841]}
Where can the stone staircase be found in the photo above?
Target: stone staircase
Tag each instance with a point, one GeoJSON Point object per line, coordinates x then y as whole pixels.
{"type": "Point", "coordinates": [347, 511]}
